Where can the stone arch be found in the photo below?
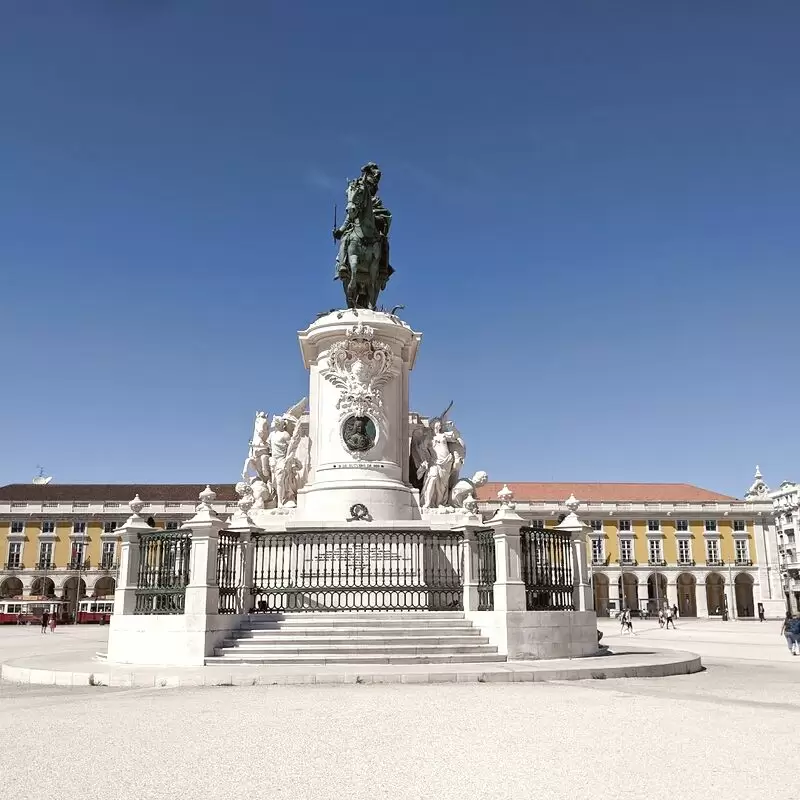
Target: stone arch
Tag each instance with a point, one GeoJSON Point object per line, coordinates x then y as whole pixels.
{"type": "Point", "coordinates": [743, 589]}
{"type": "Point", "coordinates": [631, 596]}
{"type": "Point", "coordinates": [74, 590]}
{"type": "Point", "coordinates": [11, 587]}
{"type": "Point", "coordinates": [43, 587]}
{"type": "Point", "coordinates": [687, 595]}
{"type": "Point", "coordinates": [656, 591]}
{"type": "Point", "coordinates": [104, 587]}
{"type": "Point", "coordinates": [715, 593]}
{"type": "Point", "coordinates": [600, 587]}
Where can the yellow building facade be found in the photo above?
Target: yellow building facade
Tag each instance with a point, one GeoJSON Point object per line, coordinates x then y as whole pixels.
{"type": "Point", "coordinates": [648, 544]}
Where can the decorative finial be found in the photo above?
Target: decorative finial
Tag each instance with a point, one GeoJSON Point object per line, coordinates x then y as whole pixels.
{"type": "Point", "coordinates": [136, 505]}
{"type": "Point", "coordinates": [758, 474]}
{"type": "Point", "coordinates": [505, 495]}
{"type": "Point", "coordinates": [208, 496]}
{"type": "Point", "coordinates": [572, 503]}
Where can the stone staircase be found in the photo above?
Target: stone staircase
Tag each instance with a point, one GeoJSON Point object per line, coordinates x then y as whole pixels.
{"type": "Point", "coordinates": [369, 637]}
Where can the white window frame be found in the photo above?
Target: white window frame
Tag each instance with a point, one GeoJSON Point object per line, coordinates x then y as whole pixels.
{"type": "Point", "coordinates": [16, 547]}
{"type": "Point", "coordinates": [80, 546]}
{"type": "Point", "coordinates": [655, 544]}
{"type": "Point", "coordinates": [46, 546]}
{"type": "Point", "coordinates": [712, 544]}
{"type": "Point", "coordinates": [106, 561]}
{"type": "Point", "coordinates": [627, 523]}
{"type": "Point", "coordinates": [650, 526]}
{"type": "Point", "coordinates": [19, 524]}
{"type": "Point", "coordinates": [79, 528]}
{"type": "Point", "coordinates": [686, 542]}
{"type": "Point", "coordinates": [598, 546]}
{"type": "Point", "coordinates": [678, 528]}
{"type": "Point", "coordinates": [48, 527]}
{"type": "Point", "coordinates": [628, 543]}
{"type": "Point", "coordinates": [172, 525]}
{"type": "Point", "coordinates": [711, 526]}
{"type": "Point", "coordinates": [742, 523]}
{"type": "Point", "coordinates": [596, 525]}
{"type": "Point", "coordinates": [743, 545]}
{"type": "Point", "coordinates": [109, 526]}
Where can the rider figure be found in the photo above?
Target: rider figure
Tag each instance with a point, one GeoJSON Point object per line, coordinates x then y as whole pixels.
{"type": "Point", "coordinates": [371, 176]}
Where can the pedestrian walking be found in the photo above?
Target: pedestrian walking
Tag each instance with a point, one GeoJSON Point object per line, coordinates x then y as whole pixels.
{"type": "Point", "coordinates": [791, 630]}
{"type": "Point", "coordinates": [760, 612]}
{"type": "Point", "coordinates": [669, 619]}
{"type": "Point", "coordinates": [45, 620]}
{"type": "Point", "coordinates": [674, 614]}
{"type": "Point", "coordinates": [660, 617]}
{"type": "Point", "coordinates": [52, 623]}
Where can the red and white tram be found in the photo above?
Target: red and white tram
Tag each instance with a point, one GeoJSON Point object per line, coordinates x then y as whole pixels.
{"type": "Point", "coordinates": [97, 610]}
{"type": "Point", "coordinates": [29, 610]}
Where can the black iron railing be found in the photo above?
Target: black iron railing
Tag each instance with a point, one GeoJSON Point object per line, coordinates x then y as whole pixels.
{"type": "Point", "coordinates": [14, 565]}
{"type": "Point", "coordinates": [163, 572]}
{"type": "Point", "coordinates": [656, 562]}
{"type": "Point", "coordinates": [744, 562]}
{"type": "Point", "coordinates": [486, 569]}
{"type": "Point", "coordinates": [715, 562]}
{"type": "Point", "coordinates": [79, 564]}
{"type": "Point", "coordinates": [547, 569]}
{"type": "Point", "coordinates": [45, 565]}
{"type": "Point", "coordinates": [686, 562]}
{"type": "Point", "coordinates": [228, 571]}
{"type": "Point", "coordinates": [109, 565]}
{"type": "Point", "coordinates": [354, 571]}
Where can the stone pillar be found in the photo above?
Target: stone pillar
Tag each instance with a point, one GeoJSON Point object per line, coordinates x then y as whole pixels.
{"type": "Point", "coordinates": [583, 598]}
{"type": "Point", "coordinates": [242, 524]}
{"type": "Point", "coordinates": [470, 570]}
{"type": "Point", "coordinates": [202, 592]}
{"type": "Point", "coordinates": [509, 590]}
{"type": "Point", "coordinates": [125, 592]}
{"type": "Point", "coordinates": [672, 595]}
{"type": "Point", "coordinates": [701, 597]}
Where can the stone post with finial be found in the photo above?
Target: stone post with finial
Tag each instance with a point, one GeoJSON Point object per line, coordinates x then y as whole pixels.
{"type": "Point", "coordinates": [509, 590]}
{"type": "Point", "coordinates": [125, 590]}
{"type": "Point", "coordinates": [202, 591]}
{"type": "Point", "coordinates": [583, 597]}
{"type": "Point", "coordinates": [243, 526]}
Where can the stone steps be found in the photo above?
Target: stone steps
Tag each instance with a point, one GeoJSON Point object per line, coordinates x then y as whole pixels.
{"type": "Point", "coordinates": [356, 638]}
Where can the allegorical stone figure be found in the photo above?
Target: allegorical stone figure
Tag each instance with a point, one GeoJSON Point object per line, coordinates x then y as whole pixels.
{"type": "Point", "coordinates": [462, 495]}
{"type": "Point", "coordinates": [438, 451]}
{"type": "Point", "coordinates": [363, 261]}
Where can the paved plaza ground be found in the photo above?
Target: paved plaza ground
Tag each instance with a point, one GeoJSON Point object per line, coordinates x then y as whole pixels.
{"type": "Point", "coordinates": [728, 730]}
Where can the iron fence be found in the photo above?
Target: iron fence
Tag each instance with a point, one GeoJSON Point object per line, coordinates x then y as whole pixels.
{"type": "Point", "coordinates": [487, 569]}
{"type": "Point", "coordinates": [228, 571]}
{"type": "Point", "coordinates": [547, 569]}
{"type": "Point", "coordinates": [355, 570]}
{"type": "Point", "coordinates": [163, 572]}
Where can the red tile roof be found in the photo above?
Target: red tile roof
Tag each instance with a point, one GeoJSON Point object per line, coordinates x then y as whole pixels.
{"type": "Point", "coordinates": [117, 492]}
{"type": "Point", "coordinates": [188, 492]}
{"type": "Point", "coordinates": [606, 492]}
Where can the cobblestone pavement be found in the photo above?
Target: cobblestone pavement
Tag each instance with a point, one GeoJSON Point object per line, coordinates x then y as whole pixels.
{"type": "Point", "coordinates": [722, 731]}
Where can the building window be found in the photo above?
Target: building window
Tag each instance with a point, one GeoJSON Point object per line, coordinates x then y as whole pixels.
{"type": "Point", "coordinates": [79, 527]}
{"type": "Point", "coordinates": [14, 555]}
{"type": "Point", "coordinates": [654, 550]}
{"type": "Point", "coordinates": [712, 551]}
{"type": "Point", "coordinates": [76, 555]}
{"type": "Point", "coordinates": [739, 526]}
{"type": "Point", "coordinates": [653, 525]}
{"type": "Point", "coordinates": [109, 554]}
{"type": "Point", "coordinates": [742, 551]}
{"type": "Point", "coordinates": [625, 551]}
{"type": "Point", "coordinates": [684, 551]}
{"type": "Point", "coordinates": [171, 526]}
{"type": "Point", "coordinates": [48, 527]}
{"type": "Point", "coordinates": [711, 525]}
{"type": "Point", "coordinates": [624, 524]}
{"type": "Point", "coordinates": [45, 555]}
{"type": "Point", "coordinates": [17, 526]}
{"type": "Point", "coordinates": [109, 527]}
{"type": "Point", "coordinates": [597, 524]}
{"type": "Point", "coordinates": [682, 525]}
{"type": "Point", "coordinates": [598, 551]}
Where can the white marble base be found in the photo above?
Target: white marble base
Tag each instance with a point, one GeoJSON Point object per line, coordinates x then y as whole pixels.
{"type": "Point", "coordinates": [529, 635]}
{"type": "Point", "coordinates": [174, 639]}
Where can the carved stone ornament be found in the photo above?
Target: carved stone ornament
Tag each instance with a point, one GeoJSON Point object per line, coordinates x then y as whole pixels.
{"type": "Point", "coordinates": [359, 366]}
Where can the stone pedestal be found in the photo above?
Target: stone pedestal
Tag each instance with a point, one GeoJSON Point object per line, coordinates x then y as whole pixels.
{"type": "Point", "coordinates": [358, 417]}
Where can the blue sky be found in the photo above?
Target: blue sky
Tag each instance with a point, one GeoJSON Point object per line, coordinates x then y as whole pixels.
{"type": "Point", "coordinates": [595, 227]}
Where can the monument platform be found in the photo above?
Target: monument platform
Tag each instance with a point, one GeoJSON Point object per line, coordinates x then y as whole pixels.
{"type": "Point", "coordinates": [69, 658]}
